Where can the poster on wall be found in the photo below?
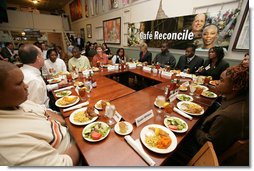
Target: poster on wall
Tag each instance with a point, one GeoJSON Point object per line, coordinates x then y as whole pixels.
{"type": "Point", "coordinates": [112, 31]}
{"type": "Point", "coordinates": [75, 10]}
{"type": "Point", "coordinates": [86, 9]}
{"type": "Point", "coordinates": [203, 30]}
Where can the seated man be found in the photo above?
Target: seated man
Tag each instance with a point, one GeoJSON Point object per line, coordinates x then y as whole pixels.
{"type": "Point", "coordinates": [31, 57]}
{"type": "Point", "coordinates": [190, 60]}
{"type": "Point", "coordinates": [30, 135]}
{"type": "Point", "coordinates": [165, 57]}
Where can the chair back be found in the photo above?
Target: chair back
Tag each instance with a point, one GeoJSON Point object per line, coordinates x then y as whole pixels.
{"type": "Point", "coordinates": [206, 156]}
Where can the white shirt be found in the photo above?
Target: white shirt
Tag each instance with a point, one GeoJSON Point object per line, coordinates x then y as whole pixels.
{"type": "Point", "coordinates": [58, 65]}
{"type": "Point", "coordinates": [44, 54]}
{"type": "Point", "coordinates": [115, 58]}
{"type": "Point", "coordinates": [37, 89]}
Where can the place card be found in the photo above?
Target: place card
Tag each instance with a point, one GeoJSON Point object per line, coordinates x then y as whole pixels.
{"type": "Point", "coordinates": [111, 68]}
{"type": "Point", "coordinates": [143, 118]}
{"type": "Point", "coordinates": [166, 74]}
{"type": "Point", "coordinates": [147, 69]}
{"type": "Point", "coordinates": [117, 117]}
{"type": "Point", "coordinates": [132, 65]}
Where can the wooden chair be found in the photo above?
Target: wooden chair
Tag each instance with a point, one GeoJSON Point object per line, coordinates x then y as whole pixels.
{"type": "Point", "coordinates": [236, 155]}
{"type": "Point", "coordinates": [206, 156]}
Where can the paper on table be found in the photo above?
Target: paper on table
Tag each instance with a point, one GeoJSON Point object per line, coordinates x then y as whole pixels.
{"type": "Point", "coordinates": [140, 151]}
{"type": "Point", "coordinates": [76, 106]}
{"type": "Point", "coordinates": [182, 113]}
{"type": "Point", "coordinates": [65, 88]}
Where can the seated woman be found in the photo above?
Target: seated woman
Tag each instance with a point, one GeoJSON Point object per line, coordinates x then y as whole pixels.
{"type": "Point", "coordinates": [100, 57]}
{"type": "Point", "coordinates": [215, 65]}
{"type": "Point", "coordinates": [119, 57]}
{"type": "Point", "coordinates": [53, 64]}
{"type": "Point", "coordinates": [145, 55]}
{"type": "Point", "coordinates": [106, 49]}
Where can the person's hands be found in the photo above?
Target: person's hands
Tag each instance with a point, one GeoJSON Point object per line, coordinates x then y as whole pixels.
{"type": "Point", "coordinates": [200, 69]}
{"type": "Point", "coordinates": [54, 116]}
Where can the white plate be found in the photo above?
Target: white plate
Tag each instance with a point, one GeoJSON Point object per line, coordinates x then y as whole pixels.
{"type": "Point", "coordinates": [95, 69]}
{"type": "Point", "coordinates": [92, 124]}
{"type": "Point", "coordinates": [97, 103]}
{"type": "Point", "coordinates": [71, 118]}
{"type": "Point", "coordinates": [68, 92]}
{"type": "Point", "coordinates": [174, 130]}
{"type": "Point", "coordinates": [179, 95]}
{"type": "Point", "coordinates": [75, 102]}
{"type": "Point", "coordinates": [203, 87]}
{"type": "Point", "coordinates": [165, 104]}
{"type": "Point", "coordinates": [129, 130]}
{"type": "Point", "coordinates": [54, 80]}
{"type": "Point", "coordinates": [146, 131]}
{"type": "Point", "coordinates": [204, 93]}
{"type": "Point", "coordinates": [181, 107]}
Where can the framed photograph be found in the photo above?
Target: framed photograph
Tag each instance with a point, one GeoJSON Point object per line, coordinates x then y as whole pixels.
{"type": "Point", "coordinates": [112, 31]}
{"type": "Point", "coordinates": [242, 39]}
{"type": "Point", "coordinates": [75, 10]}
{"type": "Point", "coordinates": [82, 33]}
{"type": "Point", "coordinates": [89, 30]}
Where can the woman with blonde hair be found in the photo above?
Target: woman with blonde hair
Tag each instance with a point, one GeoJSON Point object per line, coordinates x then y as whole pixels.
{"type": "Point", "coordinates": [145, 55]}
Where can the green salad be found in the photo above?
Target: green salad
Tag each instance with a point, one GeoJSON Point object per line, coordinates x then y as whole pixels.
{"type": "Point", "coordinates": [209, 94]}
{"type": "Point", "coordinates": [184, 97]}
{"type": "Point", "coordinates": [96, 131]}
{"type": "Point", "coordinates": [62, 93]}
{"type": "Point", "coordinates": [176, 124]}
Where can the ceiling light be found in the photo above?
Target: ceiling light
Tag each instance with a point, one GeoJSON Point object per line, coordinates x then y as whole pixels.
{"type": "Point", "coordinates": [35, 1]}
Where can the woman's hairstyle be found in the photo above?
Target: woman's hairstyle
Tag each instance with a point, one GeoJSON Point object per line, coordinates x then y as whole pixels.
{"type": "Point", "coordinates": [117, 52]}
{"type": "Point", "coordinates": [240, 77]}
{"type": "Point", "coordinates": [210, 25]}
{"type": "Point", "coordinates": [106, 46]}
{"type": "Point", "coordinates": [49, 52]}
{"type": "Point", "coordinates": [219, 53]}
{"type": "Point", "coordinates": [144, 45]}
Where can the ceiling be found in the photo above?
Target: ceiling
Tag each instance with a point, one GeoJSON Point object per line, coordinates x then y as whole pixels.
{"type": "Point", "coordinates": [43, 5]}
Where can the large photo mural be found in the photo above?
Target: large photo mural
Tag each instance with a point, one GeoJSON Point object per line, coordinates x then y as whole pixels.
{"type": "Point", "coordinates": [205, 30]}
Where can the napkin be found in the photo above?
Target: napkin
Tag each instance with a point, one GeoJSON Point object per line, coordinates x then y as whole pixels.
{"type": "Point", "coordinates": [147, 69]}
{"type": "Point", "coordinates": [139, 150]}
{"type": "Point", "coordinates": [65, 88]}
{"type": "Point", "coordinates": [76, 106]}
{"type": "Point", "coordinates": [182, 113]}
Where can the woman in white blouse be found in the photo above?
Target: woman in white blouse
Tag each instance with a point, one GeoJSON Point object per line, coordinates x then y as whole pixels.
{"type": "Point", "coordinates": [53, 64]}
{"type": "Point", "coordinates": [119, 57]}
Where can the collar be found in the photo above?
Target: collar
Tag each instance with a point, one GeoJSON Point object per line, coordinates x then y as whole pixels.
{"type": "Point", "coordinates": [31, 69]}
{"type": "Point", "coordinates": [190, 59]}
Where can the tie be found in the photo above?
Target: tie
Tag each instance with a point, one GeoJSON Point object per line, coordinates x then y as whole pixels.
{"type": "Point", "coordinates": [188, 60]}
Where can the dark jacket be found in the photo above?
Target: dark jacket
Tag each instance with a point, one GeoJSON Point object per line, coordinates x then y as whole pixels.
{"type": "Point", "coordinates": [193, 65]}
{"type": "Point", "coordinates": [165, 59]}
{"type": "Point", "coordinates": [147, 57]}
{"type": "Point", "coordinates": [6, 54]}
{"type": "Point", "coordinates": [216, 71]}
{"type": "Point", "coordinates": [227, 125]}
{"type": "Point", "coordinates": [81, 45]}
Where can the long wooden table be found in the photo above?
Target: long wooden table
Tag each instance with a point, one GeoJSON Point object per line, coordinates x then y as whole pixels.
{"type": "Point", "coordinates": [114, 150]}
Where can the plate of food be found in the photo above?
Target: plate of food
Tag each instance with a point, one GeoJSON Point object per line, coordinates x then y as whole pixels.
{"type": "Point", "coordinates": [183, 88]}
{"type": "Point", "coordinates": [96, 131]}
{"type": "Point", "coordinates": [95, 69]}
{"type": "Point", "coordinates": [176, 124]}
{"type": "Point", "coordinates": [78, 84]}
{"type": "Point", "coordinates": [158, 138]}
{"type": "Point", "coordinates": [190, 108]}
{"type": "Point", "coordinates": [83, 116]}
{"type": "Point", "coordinates": [54, 80]}
{"type": "Point", "coordinates": [67, 101]}
{"type": "Point", "coordinates": [184, 97]}
{"type": "Point", "coordinates": [202, 87]}
{"type": "Point", "coordinates": [209, 94]}
{"type": "Point", "coordinates": [101, 104]}
{"type": "Point", "coordinates": [123, 128]}
{"type": "Point", "coordinates": [214, 82]}
{"type": "Point", "coordinates": [63, 93]}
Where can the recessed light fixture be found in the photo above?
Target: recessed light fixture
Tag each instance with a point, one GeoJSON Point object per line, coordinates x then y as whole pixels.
{"type": "Point", "coordinates": [35, 1]}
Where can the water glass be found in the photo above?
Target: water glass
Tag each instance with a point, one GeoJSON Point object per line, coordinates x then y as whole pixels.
{"type": "Point", "coordinates": [160, 101]}
{"type": "Point", "coordinates": [192, 88]}
{"type": "Point", "coordinates": [88, 87]}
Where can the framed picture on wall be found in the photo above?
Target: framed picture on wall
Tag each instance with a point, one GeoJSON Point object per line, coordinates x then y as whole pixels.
{"type": "Point", "coordinates": [82, 33]}
{"type": "Point", "coordinates": [75, 10]}
{"type": "Point", "coordinates": [243, 35]}
{"type": "Point", "coordinates": [89, 30]}
{"type": "Point", "coordinates": [112, 31]}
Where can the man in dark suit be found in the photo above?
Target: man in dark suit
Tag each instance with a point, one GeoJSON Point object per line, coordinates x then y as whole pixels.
{"type": "Point", "coordinates": [8, 52]}
{"type": "Point", "coordinates": [190, 60]}
{"type": "Point", "coordinates": [80, 42]}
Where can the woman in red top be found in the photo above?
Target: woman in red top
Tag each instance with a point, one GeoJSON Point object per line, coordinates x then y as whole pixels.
{"type": "Point", "coordinates": [100, 57]}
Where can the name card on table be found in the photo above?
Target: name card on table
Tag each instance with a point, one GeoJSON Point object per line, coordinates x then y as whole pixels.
{"type": "Point", "coordinates": [173, 96]}
{"type": "Point", "coordinates": [112, 68]}
{"type": "Point", "coordinates": [117, 117]}
{"type": "Point", "coordinates": [132, 65]}
{"type": "Point", "coordinates": [166, 74]}
{"type": "Point", "coordinates": [143, 118]}
{"type": "Point", "coordinates": [147, 69]}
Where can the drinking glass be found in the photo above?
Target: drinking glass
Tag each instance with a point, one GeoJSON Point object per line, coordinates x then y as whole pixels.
{"type": "Point", "coordinates": [169, 108]}
{"type": "Point", "coordinates": [88, 87]}
{"type": "Point", "coordinates": [82, 93]}
{"type": "Point", "coordinates": [160, 101]}
{"type": "Point", "coordinates": [192, 88]}
{"type": "Point", "coordinates": [69, 78]}
{"type": "Point", "coordinates": [109, 113]}
{"type": "Point", "coordinates": [198, 91]}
